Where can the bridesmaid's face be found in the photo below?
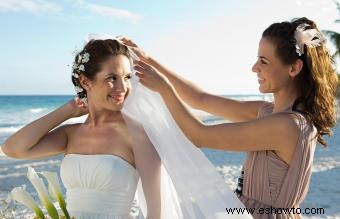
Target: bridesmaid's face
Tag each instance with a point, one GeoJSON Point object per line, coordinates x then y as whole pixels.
{"type": "Point", "coordinates": [272, 73]}
{"type": "Point", "coordinates": [112, 84]}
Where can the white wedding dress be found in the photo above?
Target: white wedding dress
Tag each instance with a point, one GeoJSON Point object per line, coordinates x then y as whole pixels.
{"type": "Point", "coordinates": [104, 186]}
{"type": "Point", "coordinates": [100, 186]}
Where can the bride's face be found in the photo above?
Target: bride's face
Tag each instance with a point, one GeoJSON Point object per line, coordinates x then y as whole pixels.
{"type": "Point", "coordinates": [112, 84]}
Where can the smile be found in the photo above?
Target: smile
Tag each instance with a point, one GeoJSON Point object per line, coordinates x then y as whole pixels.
{"type": "Point", "coordinates": [260, 80]}
{"type": "Point", "coordinates": [117, 98]}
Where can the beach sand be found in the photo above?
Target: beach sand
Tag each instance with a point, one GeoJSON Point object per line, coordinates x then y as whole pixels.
{"type": "Point", "coordinates": [321, 194]}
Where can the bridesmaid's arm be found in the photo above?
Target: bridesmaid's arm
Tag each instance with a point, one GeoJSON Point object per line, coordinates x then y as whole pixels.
{"type": "Point", "coordinates": [275, 132]}
{"type": "Point", "coordinates": [196, 97]}
{"type": "Point", "coordinates": [232, 110]}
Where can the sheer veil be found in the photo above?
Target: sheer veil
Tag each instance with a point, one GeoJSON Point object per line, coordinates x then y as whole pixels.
{"type": "Point", "coordinates": [191, 187]}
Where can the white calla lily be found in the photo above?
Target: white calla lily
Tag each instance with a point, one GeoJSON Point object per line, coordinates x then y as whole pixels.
{"type": "Point", "coordinates": [39, 185]}
{"type": "Point", "coordinates": [55, 190]}
{"type": "Point", "coordinates": [20, 194]}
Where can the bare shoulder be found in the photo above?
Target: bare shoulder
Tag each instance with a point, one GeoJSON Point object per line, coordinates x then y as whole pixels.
{"type": "Point", "coordinates": [295, 122]}
{"type": "Point", "coordinates": [132, 123]}
{"type": "Point", "coordinates": [285, 129]}
{"type": "Point", "coordinates": [281, 123]}
{"type": "Point", "coordinates": [278, 132]}
{"type": "Point", "coordinates": [73, 133]}
{"type": "Point", "coordinates": [142, 146]}
{"type": "Point", "coordinates": [70, 128]}
{"type": "Point", "coordinates": [288, 132]}
{"type": "Point", "coordinates": [135, 129]}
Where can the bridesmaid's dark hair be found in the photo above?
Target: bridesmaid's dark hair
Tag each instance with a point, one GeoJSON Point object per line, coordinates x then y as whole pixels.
{"type": "Point", "coordinates": [317, 81]}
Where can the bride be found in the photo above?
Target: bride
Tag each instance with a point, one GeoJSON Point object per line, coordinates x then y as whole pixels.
{"type": "Point", "coordinates": [128, 145]}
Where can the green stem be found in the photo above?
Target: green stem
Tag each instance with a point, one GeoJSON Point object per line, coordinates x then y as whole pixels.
{"type": "Point", "coordinates": [52, 211]}
{"type": "Point", "coordinates": [62, 205]}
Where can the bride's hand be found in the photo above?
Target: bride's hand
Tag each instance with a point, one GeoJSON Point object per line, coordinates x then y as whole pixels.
{"type": "Point", "coordinates": [151, 77]}
{"type": "Point", "coordinates": [137, 50]}
{"type": "Point", "coordinates": [77, 107]}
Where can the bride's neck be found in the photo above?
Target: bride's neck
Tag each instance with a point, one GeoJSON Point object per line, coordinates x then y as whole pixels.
{"type": "Point", "coordinates": [100, 117]}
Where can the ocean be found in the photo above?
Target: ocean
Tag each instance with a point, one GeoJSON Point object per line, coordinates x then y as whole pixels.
{"type": "Point", "coordinates": [17, 111]}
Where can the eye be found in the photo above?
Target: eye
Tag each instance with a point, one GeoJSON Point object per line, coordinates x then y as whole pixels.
{"type": "Point", "coordinates": [263, 62]}
{"type": "Point", "coordinates": [127, 77]}
{"type": "Point", "coordinates": [112, 78]}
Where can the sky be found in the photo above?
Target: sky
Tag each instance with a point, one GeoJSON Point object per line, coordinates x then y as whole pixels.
{"type": "Point", "coordinates": [212, 43]}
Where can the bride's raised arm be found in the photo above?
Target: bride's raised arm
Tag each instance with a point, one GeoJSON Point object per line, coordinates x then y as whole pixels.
{"type": "Point", "coordinates": [41, 138]}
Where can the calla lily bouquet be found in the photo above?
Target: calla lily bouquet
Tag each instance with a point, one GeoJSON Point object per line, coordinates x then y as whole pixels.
{"type": "Point", "coordinates": [20, 195]}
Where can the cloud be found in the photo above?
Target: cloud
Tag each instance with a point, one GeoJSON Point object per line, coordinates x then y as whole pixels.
{"type": "Point", "coordinates": [113, 12]}
{"type": "Point", "coordinates": [107, 11]}
{"type": "Point", "coordinates": [33, 6]}
{"type": "Point", "coordinates": [45, 6]}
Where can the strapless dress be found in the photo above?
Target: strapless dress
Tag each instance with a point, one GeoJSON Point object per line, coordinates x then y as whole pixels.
{"type": "Point", "coordinates": [100, 186]}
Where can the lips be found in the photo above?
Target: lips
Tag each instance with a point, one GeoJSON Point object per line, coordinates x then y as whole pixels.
{"type": "Point", "coordinates": [118, 97]}
{"type": "Point", "coordinates": [260, 80]}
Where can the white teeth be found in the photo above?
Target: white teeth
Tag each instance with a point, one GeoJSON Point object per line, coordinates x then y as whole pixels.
{"type": "Point", "coordinates": [116, 97]}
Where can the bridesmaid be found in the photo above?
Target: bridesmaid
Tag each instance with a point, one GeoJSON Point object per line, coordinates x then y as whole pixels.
{"type": "Point", "coordinates": [279, 137]}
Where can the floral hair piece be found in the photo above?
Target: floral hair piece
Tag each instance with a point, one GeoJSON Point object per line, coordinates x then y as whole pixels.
{"type": "Point", "coordinates": [309, 37]}
{"type": "Point", "coordinates": [79, 89]}
{"type": "Point", "coordinates": [77, 67]}
{"type": "Point", "coordinates": [79, 64]}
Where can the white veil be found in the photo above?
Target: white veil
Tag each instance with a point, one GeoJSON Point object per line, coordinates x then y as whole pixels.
{"type": "Point", "coordinates": [191, 186]}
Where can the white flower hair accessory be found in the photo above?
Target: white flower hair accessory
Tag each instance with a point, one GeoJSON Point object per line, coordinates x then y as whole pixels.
{"type": "Point", "coordinates": [76, 75]}
{"type": "Point", "coordinates": [85, 58]}
{"type": "Point", "coordinates": [309, 37]}
{"type": "Point", "coordinates": [79, 64]}
{"type": "Point", "coordinates": [79, 89]}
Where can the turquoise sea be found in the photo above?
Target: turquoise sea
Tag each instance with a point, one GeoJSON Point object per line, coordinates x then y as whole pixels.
{"type": "Point", "coordinates": [17, 111]}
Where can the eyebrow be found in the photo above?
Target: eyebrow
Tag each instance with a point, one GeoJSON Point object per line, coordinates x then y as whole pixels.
{"type": "Point", "coordinates": [115, 74]}
{"type": "Point", "coordinates": [262, 57]}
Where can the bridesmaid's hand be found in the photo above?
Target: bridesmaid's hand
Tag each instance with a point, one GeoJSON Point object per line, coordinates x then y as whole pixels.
{"type": "Point", "coordinates": [151, 77]}
{"type": "Point", "coordinates": [137, 50]}
{"type": "Point", "coordinates": [77, 107]}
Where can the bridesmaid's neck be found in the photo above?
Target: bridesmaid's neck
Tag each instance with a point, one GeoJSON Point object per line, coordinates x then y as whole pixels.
{"type": "Point", "coordinates": [284, 100]}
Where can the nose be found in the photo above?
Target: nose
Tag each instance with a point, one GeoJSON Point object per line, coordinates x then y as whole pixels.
{"type": "Point", "coordinates": [255, 67]}
{"type": "Point", "coordinates": [121, 85]}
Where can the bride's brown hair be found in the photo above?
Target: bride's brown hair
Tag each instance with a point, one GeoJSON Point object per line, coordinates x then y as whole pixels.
{"type": "Point", "coordinates": [99, 51]}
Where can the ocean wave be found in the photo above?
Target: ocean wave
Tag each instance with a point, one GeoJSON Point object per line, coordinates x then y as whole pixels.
{"type": "Point", "coordinates": [23, 116]}
{"type": "Point", "coordinates": [11, 129]}
{"type": "Point", "coordinates": [266, 97]}
{"type": "Point", "coordinates": [230, 174]}
{"type": "Point", "coordinates": [326, 163]}
{"type": "Point", "coordinates": [38, 163]}
{"type": "Point", "coordinates": [11, 175]}
{"type": "Point", "coordinates": [37, 110]}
